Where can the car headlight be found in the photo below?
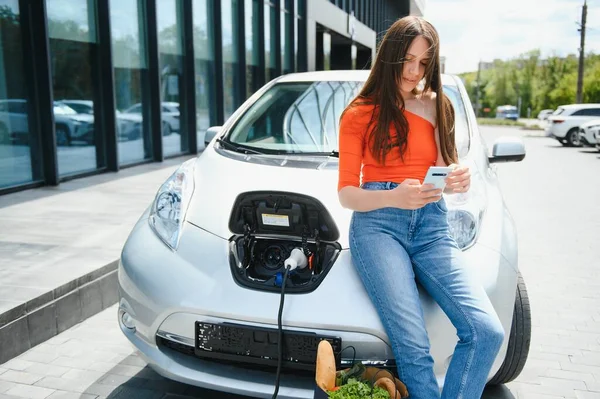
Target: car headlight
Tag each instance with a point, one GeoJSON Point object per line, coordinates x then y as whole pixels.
{"type": "Point", "coordinates": [465, 212]}
{"type": "Point", "coordinates": [171, 203]}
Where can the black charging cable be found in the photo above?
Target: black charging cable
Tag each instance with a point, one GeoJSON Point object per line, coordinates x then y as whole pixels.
{"type": "Point", "coordinates": [280, 336]}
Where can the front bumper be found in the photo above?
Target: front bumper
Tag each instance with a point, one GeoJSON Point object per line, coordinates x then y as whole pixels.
{"type": "Point", "coordinates": [165, 292]}
{"type": "Point", "coordinates": [588, 137]}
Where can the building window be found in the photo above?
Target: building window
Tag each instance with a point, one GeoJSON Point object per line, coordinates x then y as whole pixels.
{"type": "Point", "coordinates": [204, 67]}
{"type": "Point", "coordinates": [170, 61]}
{"type": "Point", "coordinates": [252, 36]}
{"type": "Point", "coordinates": [18, 162]}
{"type": "Point", "coordinates": [287, 36]}
{"type": "Point", "coordinates": [73, 61]}
{"type": "Point", "coordinates": [231, 75]}
{"type": "Point", "coordinates": [271, 34]}
{"type": "Point", "coordinates": [300, 37]}
{"type": "Point", "coordinates": [131, 80]}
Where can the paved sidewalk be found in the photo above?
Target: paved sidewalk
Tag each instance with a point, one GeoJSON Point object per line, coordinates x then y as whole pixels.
{"type": "Point", "coordinates": [59, 248]}
{"type": "Point", "coordinates": [90, 360]}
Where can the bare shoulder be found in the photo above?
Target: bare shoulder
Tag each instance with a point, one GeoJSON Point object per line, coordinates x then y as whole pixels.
{"type": "Point", "coordinates": [428, 98]}
{"type": "Point", "coordinates": [423, 105]}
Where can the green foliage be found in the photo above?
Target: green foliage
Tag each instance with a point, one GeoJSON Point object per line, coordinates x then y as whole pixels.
{"type": "Point", "coordinates": [355, 389]}
{"type": "Point", "coordinates": [539, 83]}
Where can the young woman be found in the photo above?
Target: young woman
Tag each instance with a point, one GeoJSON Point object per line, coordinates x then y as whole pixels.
{"type": "Point", "coordinates": [392, 132]}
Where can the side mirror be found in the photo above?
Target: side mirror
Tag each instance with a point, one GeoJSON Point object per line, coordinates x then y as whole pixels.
{"type": "Point", "coordinates": [210, 134]}
{"type": "Point", "coordinates": [507, 149]}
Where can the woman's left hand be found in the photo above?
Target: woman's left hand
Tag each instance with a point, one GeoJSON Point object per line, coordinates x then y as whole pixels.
{"type": "Point", "coordinates": [459, 180]}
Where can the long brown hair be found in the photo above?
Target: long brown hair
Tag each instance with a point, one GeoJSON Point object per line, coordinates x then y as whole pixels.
{"type": "Point", "coordinates": [382, 90]}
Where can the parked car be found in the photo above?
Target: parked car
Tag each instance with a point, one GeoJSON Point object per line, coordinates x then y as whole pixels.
{"type": "Point", "coordinates": [69, 125]}
{"type": "Point", "coordinates": [200, 275]}
{"type": "Point", "coordinates": [80, 106]}
{"type": "Point", "coordinates": [129, 126]}
{"type": "Point", "coordinates": [544, 114]}
{"type": "Point", "coordinates": [564, 123]}
{"type": "Point", "coordinates": [507, 112]}
{"type": "Point", "coordinates": [588, 133]}
{"type": "Point", "coordinates": [169, 115]}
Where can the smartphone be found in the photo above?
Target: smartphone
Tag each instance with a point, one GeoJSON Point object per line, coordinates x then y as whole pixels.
{"type": "Point", "coordinates": [436, 175]}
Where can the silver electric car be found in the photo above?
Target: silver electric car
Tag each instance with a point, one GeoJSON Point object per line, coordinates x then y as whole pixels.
{"type": "Point", "coordinates": [201, 273]}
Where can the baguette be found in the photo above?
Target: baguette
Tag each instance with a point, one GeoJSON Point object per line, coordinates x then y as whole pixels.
{"type": "Point", "coordinates": [371, 373]}
{"type": "Point", "coordinates": [387, 384]}
{"type": "Point", "coordinates": [325, 371]}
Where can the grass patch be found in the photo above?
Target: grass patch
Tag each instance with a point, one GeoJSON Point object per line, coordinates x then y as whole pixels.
{"type": "Point", "coordinates": [499, 122]}
{"type": "Point", "coordinates": [533, 127]}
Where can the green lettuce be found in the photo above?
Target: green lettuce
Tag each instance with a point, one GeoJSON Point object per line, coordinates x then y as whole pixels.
{"type": "Point", "coordinates": [355, 389]}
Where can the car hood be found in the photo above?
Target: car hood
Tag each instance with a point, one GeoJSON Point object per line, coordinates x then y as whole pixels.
{"type": "Point", "coordinates": [594, 122]}
{"type": "Point", "coordinates": [81, 118]}
{"type": "Point", "coordinates": [219, 179]}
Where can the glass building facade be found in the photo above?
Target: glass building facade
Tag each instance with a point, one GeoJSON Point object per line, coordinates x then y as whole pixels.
{"type": "Point", "coordinates": [90, 86]}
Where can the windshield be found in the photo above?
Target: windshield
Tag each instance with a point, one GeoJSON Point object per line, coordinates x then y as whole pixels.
{"type": "Point", "coordinates": [298, 118]}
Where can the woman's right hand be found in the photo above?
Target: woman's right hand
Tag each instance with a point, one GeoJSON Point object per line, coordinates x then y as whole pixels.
{"type": "Point", "coordinates": [411, 194]}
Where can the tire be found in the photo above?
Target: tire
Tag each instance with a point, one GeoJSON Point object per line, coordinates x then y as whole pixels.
{"type": "Point", "coordinates": [62, 136]}
{"type": "Point", "coordinates": [572, 137]}
{"type": "Point", "coordinates": [519, 340]}
{"type": "Point", "coordinates": [166, 129]}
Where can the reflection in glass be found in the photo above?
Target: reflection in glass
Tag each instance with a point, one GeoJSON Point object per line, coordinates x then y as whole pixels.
{"type": "Point", "coordinates": [252, 46]}
{"type": "Point", "coordinates": [296, 117]}
{"type": "Point", "coordinates": [130, 75]}
{"type": "Point", "coordinates": [170, 59]}
{"type": "Point", "coordinates": [286, 39]}
{"type": "Point", "coordinates": [73, 60]}
{"type": "Point", "coordinates": [270, 42]}
{"type": "Point", "coordinates": [17, 162]}
{"type": "Point", "coordinates": [230, 58]}
{"type": "Point", "coordinates": [204, 54]}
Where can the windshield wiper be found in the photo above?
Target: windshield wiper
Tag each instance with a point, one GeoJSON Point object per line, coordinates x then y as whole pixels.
{"type": "Point", "coordinates": [333, 153]}
{"type": "Point", "coordinates": [237, 148]}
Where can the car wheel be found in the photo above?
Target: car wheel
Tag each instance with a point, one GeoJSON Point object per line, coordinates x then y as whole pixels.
{"type": "Point", "coordinates": [62, 136]}
{"type": "Point", "coordinates": [166, 129]}
{"type": "Point", "coordinates": [573, 137]}
{"type": "Point", "coordinates": [519, 340]}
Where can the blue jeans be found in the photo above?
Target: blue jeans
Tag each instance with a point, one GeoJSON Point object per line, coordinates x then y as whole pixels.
{"type": "Point", "coordinates": [394, 248]}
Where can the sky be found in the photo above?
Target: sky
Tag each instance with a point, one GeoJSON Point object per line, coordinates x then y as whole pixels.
{"type": "Point", "coordinates": [474, 30]}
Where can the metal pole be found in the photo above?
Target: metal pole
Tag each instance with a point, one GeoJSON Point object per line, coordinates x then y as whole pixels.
{"type": "Point", "coordinates": [478, 104]}
{"type": "Point", "coordinates": [581, 54]}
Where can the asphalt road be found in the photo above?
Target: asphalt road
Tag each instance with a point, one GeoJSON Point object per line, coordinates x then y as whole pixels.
{"type": "Point", "coordinates": [553, 196]}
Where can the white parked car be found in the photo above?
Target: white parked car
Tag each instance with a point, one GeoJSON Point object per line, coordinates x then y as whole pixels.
{"type": "Point", "coordinates": [169, 115]}
{"type": "Point", "coordinates": [544, 114]}
{"type": "Point", "coordinates": [564, 123]}
{"type": "Point", "coordinates": [69, 125]}
{"type": "Point", "coordinates": [589, 133]}
{"type": "Point", "coordinates": [200, 276]}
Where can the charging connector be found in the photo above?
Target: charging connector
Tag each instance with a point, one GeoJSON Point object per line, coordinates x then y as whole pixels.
{"type": "Point", "coordinates": [297, 259]}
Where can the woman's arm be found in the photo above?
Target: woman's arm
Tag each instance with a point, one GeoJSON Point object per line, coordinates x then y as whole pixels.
{"type": "Point", "coordinates": [360, 200]}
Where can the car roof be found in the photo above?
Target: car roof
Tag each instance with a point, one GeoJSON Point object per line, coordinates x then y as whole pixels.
{"type": "Point", "coordinates": [85, 102]}
{"type": "Point", "coordinates": [569, 106]}
{"type": "Point", "coordinates": [342, 76]}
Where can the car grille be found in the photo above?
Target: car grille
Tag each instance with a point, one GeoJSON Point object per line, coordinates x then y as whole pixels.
{"type": "Point", "coordinates": [189, 351]}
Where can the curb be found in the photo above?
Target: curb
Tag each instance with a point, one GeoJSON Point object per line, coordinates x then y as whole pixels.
{"type": "Point", "coordinates": [41, 318]}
